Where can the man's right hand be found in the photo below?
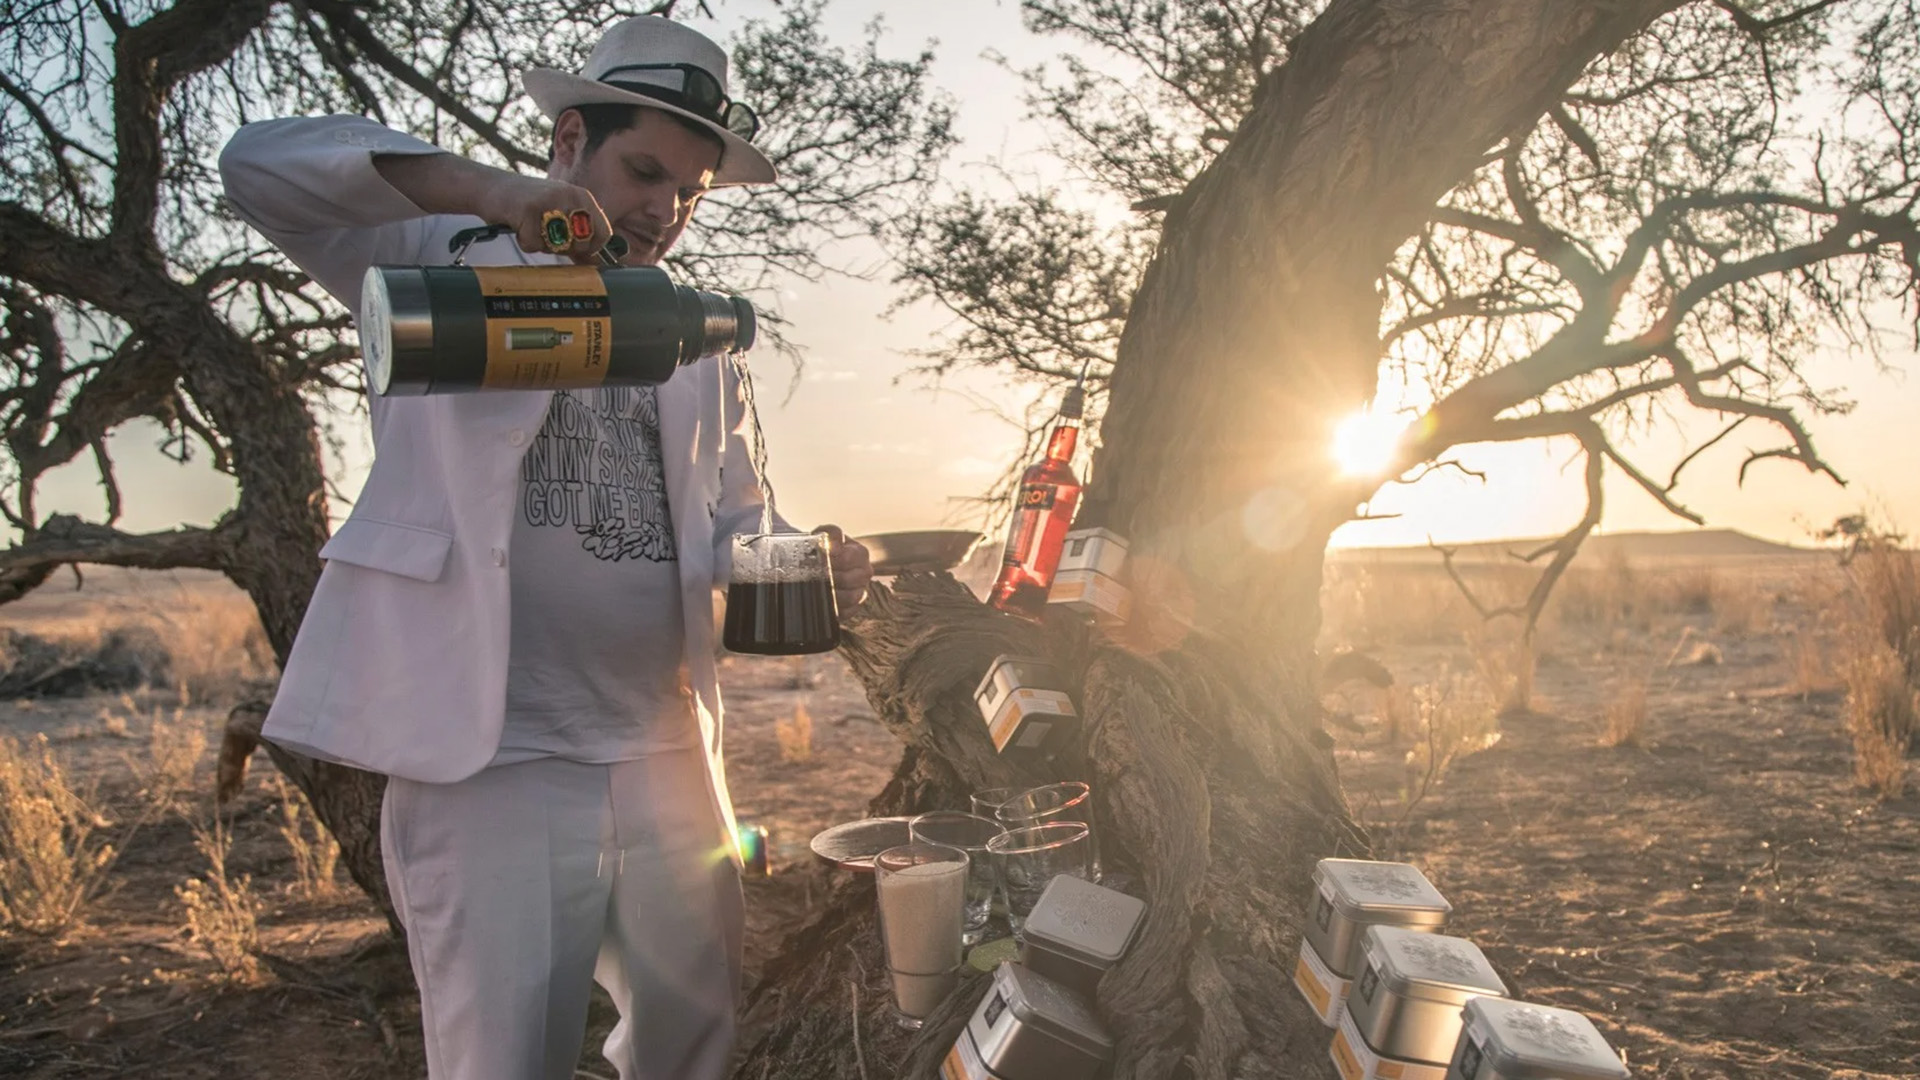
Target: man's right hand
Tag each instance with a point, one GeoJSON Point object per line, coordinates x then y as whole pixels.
{"type": "Point", "coordinates": [524, 201]}
{"type": "Point", "coordinates": [446, 184]}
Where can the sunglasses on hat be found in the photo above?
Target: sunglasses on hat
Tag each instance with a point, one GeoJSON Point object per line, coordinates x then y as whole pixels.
{"type": "Point", "coordinates": [699, 93]}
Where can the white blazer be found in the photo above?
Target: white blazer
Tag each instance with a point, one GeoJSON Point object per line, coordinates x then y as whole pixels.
{"type": "Point", "coordinates": [401, 664]}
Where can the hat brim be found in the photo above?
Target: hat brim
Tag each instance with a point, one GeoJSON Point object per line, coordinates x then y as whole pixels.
{"type": "Point", "coordinates": [557, 91]}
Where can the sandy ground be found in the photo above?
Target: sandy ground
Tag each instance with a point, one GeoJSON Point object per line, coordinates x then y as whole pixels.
{"type": "Point", "coordinates": [1720, 897]}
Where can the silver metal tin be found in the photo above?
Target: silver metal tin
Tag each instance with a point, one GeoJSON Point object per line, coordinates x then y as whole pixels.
{"type": "Point", "coordinates": [1102, 551]}
{"type": "Point", "coordinates": [1514, 1040]}
{"type": "Point", "coordinates": [1029, 1027]}
{"type": "Point", "coordinates": [1078, 930]}
{"type": "Point", "coordinates": [1025, 705]}
{"type": "Point", "coordinates": [1407, 1000]}
{"type": "Point", "coordinates": [1353, 894]}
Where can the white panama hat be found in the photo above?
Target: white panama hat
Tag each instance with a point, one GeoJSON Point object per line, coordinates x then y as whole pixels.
{"type": "Point", "coordinates": [653, 61]}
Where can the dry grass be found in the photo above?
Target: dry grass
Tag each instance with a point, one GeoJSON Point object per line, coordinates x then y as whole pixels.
{"type": "Point", "coordinates": [1626, 716]}
{"type": "Point", "coordinates": [1741, 606]}
{"type": "Point", "coordinates": [795, 734]}
{"type": "Point", "coordinates": [222, 911]}
{"type": "Point", "coordinates": [1505, 667]}
{"type": "Point", "coordinates": [52, 861]}
{"type": "Point", "coordinates": [176, 743]}
{"type": "Point", "coordinates": [1880, 661]}
{"type": "Point", "coordinates": [1455, 715]}
{"type": "Point", "coordinates": [207, 643]}
{"type": "Point", "coordinates": [315, 852]}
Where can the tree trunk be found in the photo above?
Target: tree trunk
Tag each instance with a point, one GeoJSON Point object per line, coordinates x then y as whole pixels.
{"type": "Point", "coordinates": [1253, 332]}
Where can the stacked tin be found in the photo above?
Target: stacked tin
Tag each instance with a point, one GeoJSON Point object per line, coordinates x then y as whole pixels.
{"type": "Point", "coordinates": [1404, 1015]}
{"type": "Point", "coordinates": [1037, 1020]}
{"type": "Point", "coordinates": [1025, 705]}
{"type": "Point", "coordinates": [1088, 577]}
{"type": "Point", "coordinates": [1350, 896]}
{"type": "Point", "coordinates": [1513, 1040]}
{"type": "Point", "coordinates": [1078, 930]}
{"type": "Point", "coordinates": [1029, 1027]}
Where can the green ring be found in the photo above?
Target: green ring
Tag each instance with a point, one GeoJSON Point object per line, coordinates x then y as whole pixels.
{"type": "Point", "coordinates": [558, 234]}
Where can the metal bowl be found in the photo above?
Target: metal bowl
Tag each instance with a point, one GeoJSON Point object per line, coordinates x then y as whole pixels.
{"type": "Point", "coordinates": [853, 844]}
{"type": "Point", "coordinates": [929, 549]}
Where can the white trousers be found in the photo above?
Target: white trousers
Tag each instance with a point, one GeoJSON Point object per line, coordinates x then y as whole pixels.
{"type": "Point", "coordinates": [522, 884]}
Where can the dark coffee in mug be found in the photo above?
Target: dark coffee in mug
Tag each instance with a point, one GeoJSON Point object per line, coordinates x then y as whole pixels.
{"type": "Point", "coordinates": [785, 617]}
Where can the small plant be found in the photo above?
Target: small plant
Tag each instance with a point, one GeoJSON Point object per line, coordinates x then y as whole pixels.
{"type": "Point", "coordinates": [1882, 712]}
{"type": "Point", "coordinates": [1456, 716]}
{"type": "Point", "coordinates": [1626, 716]}
{"type": "Point", "coordinates": [51, 863]}
{"type": "Point", "coordinates": [1812, 671]}
{"type": "Point", "coordinates": [176, 744]}
{"type": "Point", "coordinates": [315, 852]}
{"type": "Point", "coordinates": [1881, 661]}
{"type": "Point", "coordinates": [222, 911]}
{"type": "Point", "coordinates": [795, 735]}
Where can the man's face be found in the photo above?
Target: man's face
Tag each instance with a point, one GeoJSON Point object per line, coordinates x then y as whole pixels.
{"type": "Point", "coordinates": [648, 178]}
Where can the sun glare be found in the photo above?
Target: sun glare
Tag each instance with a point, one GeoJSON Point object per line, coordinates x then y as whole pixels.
{"type": "Point", "coordinates": [1364, 443]}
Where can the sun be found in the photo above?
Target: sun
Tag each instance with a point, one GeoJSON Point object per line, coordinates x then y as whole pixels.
{"type": "Point", "coordinates": [1364, 443]}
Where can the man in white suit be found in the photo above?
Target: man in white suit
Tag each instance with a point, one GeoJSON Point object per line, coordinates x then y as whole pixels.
{"type": "Point", "coordinates": [515, 622]}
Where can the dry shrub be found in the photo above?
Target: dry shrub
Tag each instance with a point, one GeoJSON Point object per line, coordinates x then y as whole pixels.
{"type": "Point", "coordinates": [1456, 716]}
{"type": "Point", "coordinates": [315, 852]}
{"type": "Point", "coordinates": [1604, 596]}
{"type": "Point", "coordinates": [1812, 670]}
{"type": "Point", "coordinates": [1881, 711]}
{"type": "Point", "coordinates": [1742, 606]}
{"type": "Point", "coordinates": [1880, 661]}
{"type": "Point", "coordinates": [795, 735]}
{"type": "Point", "coordinates": [176, 744]}
{"type": "Point", "coordinates": [1392, 603]}
{"type": "Point", "coordinates": [222, 911]}
{"type": "Point", "coordinates": [1626, 715]}
{"type": "Point", "coordinates": [214, 640]}
{"type": "Point", "coordinates": [1505, 667]}
{"type": "Point", "coordinates": [51, 861]}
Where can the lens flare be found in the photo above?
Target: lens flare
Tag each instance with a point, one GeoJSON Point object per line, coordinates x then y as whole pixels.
{"type": "Point", "coordinates": [1364, 443]}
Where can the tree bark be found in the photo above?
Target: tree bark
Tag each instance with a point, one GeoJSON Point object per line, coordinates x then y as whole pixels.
{"type": "Point", "coordinates": [1255, 329]}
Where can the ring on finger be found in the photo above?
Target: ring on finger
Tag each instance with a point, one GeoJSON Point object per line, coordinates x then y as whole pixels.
{"type": "Point", "coordinates": [556, 231]}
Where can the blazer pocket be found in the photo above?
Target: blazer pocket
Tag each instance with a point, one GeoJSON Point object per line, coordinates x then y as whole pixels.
{"type": "Point", "coordinates": [407, 550]}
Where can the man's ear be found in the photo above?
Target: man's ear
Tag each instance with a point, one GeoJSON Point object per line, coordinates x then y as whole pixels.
{"type": "Point", "coordinates": [569, 137]}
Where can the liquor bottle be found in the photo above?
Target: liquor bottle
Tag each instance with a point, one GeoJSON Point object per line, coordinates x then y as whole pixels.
{"type": "Point", "coordinates": [1049, 493]}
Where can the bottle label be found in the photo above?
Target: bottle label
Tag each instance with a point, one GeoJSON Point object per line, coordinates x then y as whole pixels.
{"type": "Point", "coordinates": [1038, 496]}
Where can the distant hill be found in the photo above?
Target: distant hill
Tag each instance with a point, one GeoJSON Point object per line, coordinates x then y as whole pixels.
{"type": "Point", "coordinates": [1694, 544]}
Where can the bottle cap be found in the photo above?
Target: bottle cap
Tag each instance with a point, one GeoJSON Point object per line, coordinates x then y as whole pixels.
{"type": "Point", "coordinates": [1074, 405]}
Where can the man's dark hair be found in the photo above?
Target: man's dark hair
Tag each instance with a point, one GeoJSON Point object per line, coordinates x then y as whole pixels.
{"type": "Point", "coordinates": [603, 120]}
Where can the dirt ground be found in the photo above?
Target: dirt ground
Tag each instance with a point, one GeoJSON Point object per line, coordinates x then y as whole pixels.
{"type": "Point", "coordinates": [1717, 894]}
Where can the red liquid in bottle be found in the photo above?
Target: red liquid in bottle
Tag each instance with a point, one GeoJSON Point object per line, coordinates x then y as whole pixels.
{"type": "Point", "coordinates": [1049, 494]}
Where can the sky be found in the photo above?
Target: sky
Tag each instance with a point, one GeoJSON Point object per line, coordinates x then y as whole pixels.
{"type": "Point", "coordinates": [858, 439]}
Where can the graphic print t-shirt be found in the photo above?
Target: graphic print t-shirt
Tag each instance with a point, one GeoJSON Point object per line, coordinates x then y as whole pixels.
{"type": "Point", "coordinates": [595, 671]}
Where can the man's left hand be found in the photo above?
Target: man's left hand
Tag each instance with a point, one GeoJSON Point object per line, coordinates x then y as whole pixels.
{"type": "Point", "coordinates": [852, 569]}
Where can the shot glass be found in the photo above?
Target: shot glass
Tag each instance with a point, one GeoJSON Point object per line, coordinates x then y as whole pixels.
{"type": "Point", "coordinates": [1026, 859]}
{"type": "Point", "coordinates": [1069, 800]}
{"type": "Point", "coordinates": [987, 803]}
{"type": "Point", "coordinates": [922, 892]}
{"type": "Point", "coordinates": [970, 833]}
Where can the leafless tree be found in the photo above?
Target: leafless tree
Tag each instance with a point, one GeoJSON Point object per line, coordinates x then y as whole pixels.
{"type": "Point", "coordinates": [1550, 220]}
{"type": "Point", "coordinates": [131, 292]}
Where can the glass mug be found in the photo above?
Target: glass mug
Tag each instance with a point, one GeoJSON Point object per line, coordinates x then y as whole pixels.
{"type": "Point", "coordinates": [780, 597]}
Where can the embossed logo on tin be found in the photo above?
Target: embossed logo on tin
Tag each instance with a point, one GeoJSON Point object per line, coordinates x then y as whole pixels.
{"type": "Point", "coordinates": [1386, 882]}
{"type": "Point", "coordinates": [1547, 1031]}
{"type": "Point", "coordinates": [1441, 957]}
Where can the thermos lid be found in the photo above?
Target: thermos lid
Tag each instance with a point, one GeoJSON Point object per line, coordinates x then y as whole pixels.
{"type": "Point", "coordinates": [1428, 966]}
{"type": "Point", "coordinates": [1047, 1007]}
{"type": "Point", "coordinates": [1087, 922]}
{"type": "Point", "coordinates": [1381, 892]}
{"type": "Point", "coordinates": [1540, 1042]}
